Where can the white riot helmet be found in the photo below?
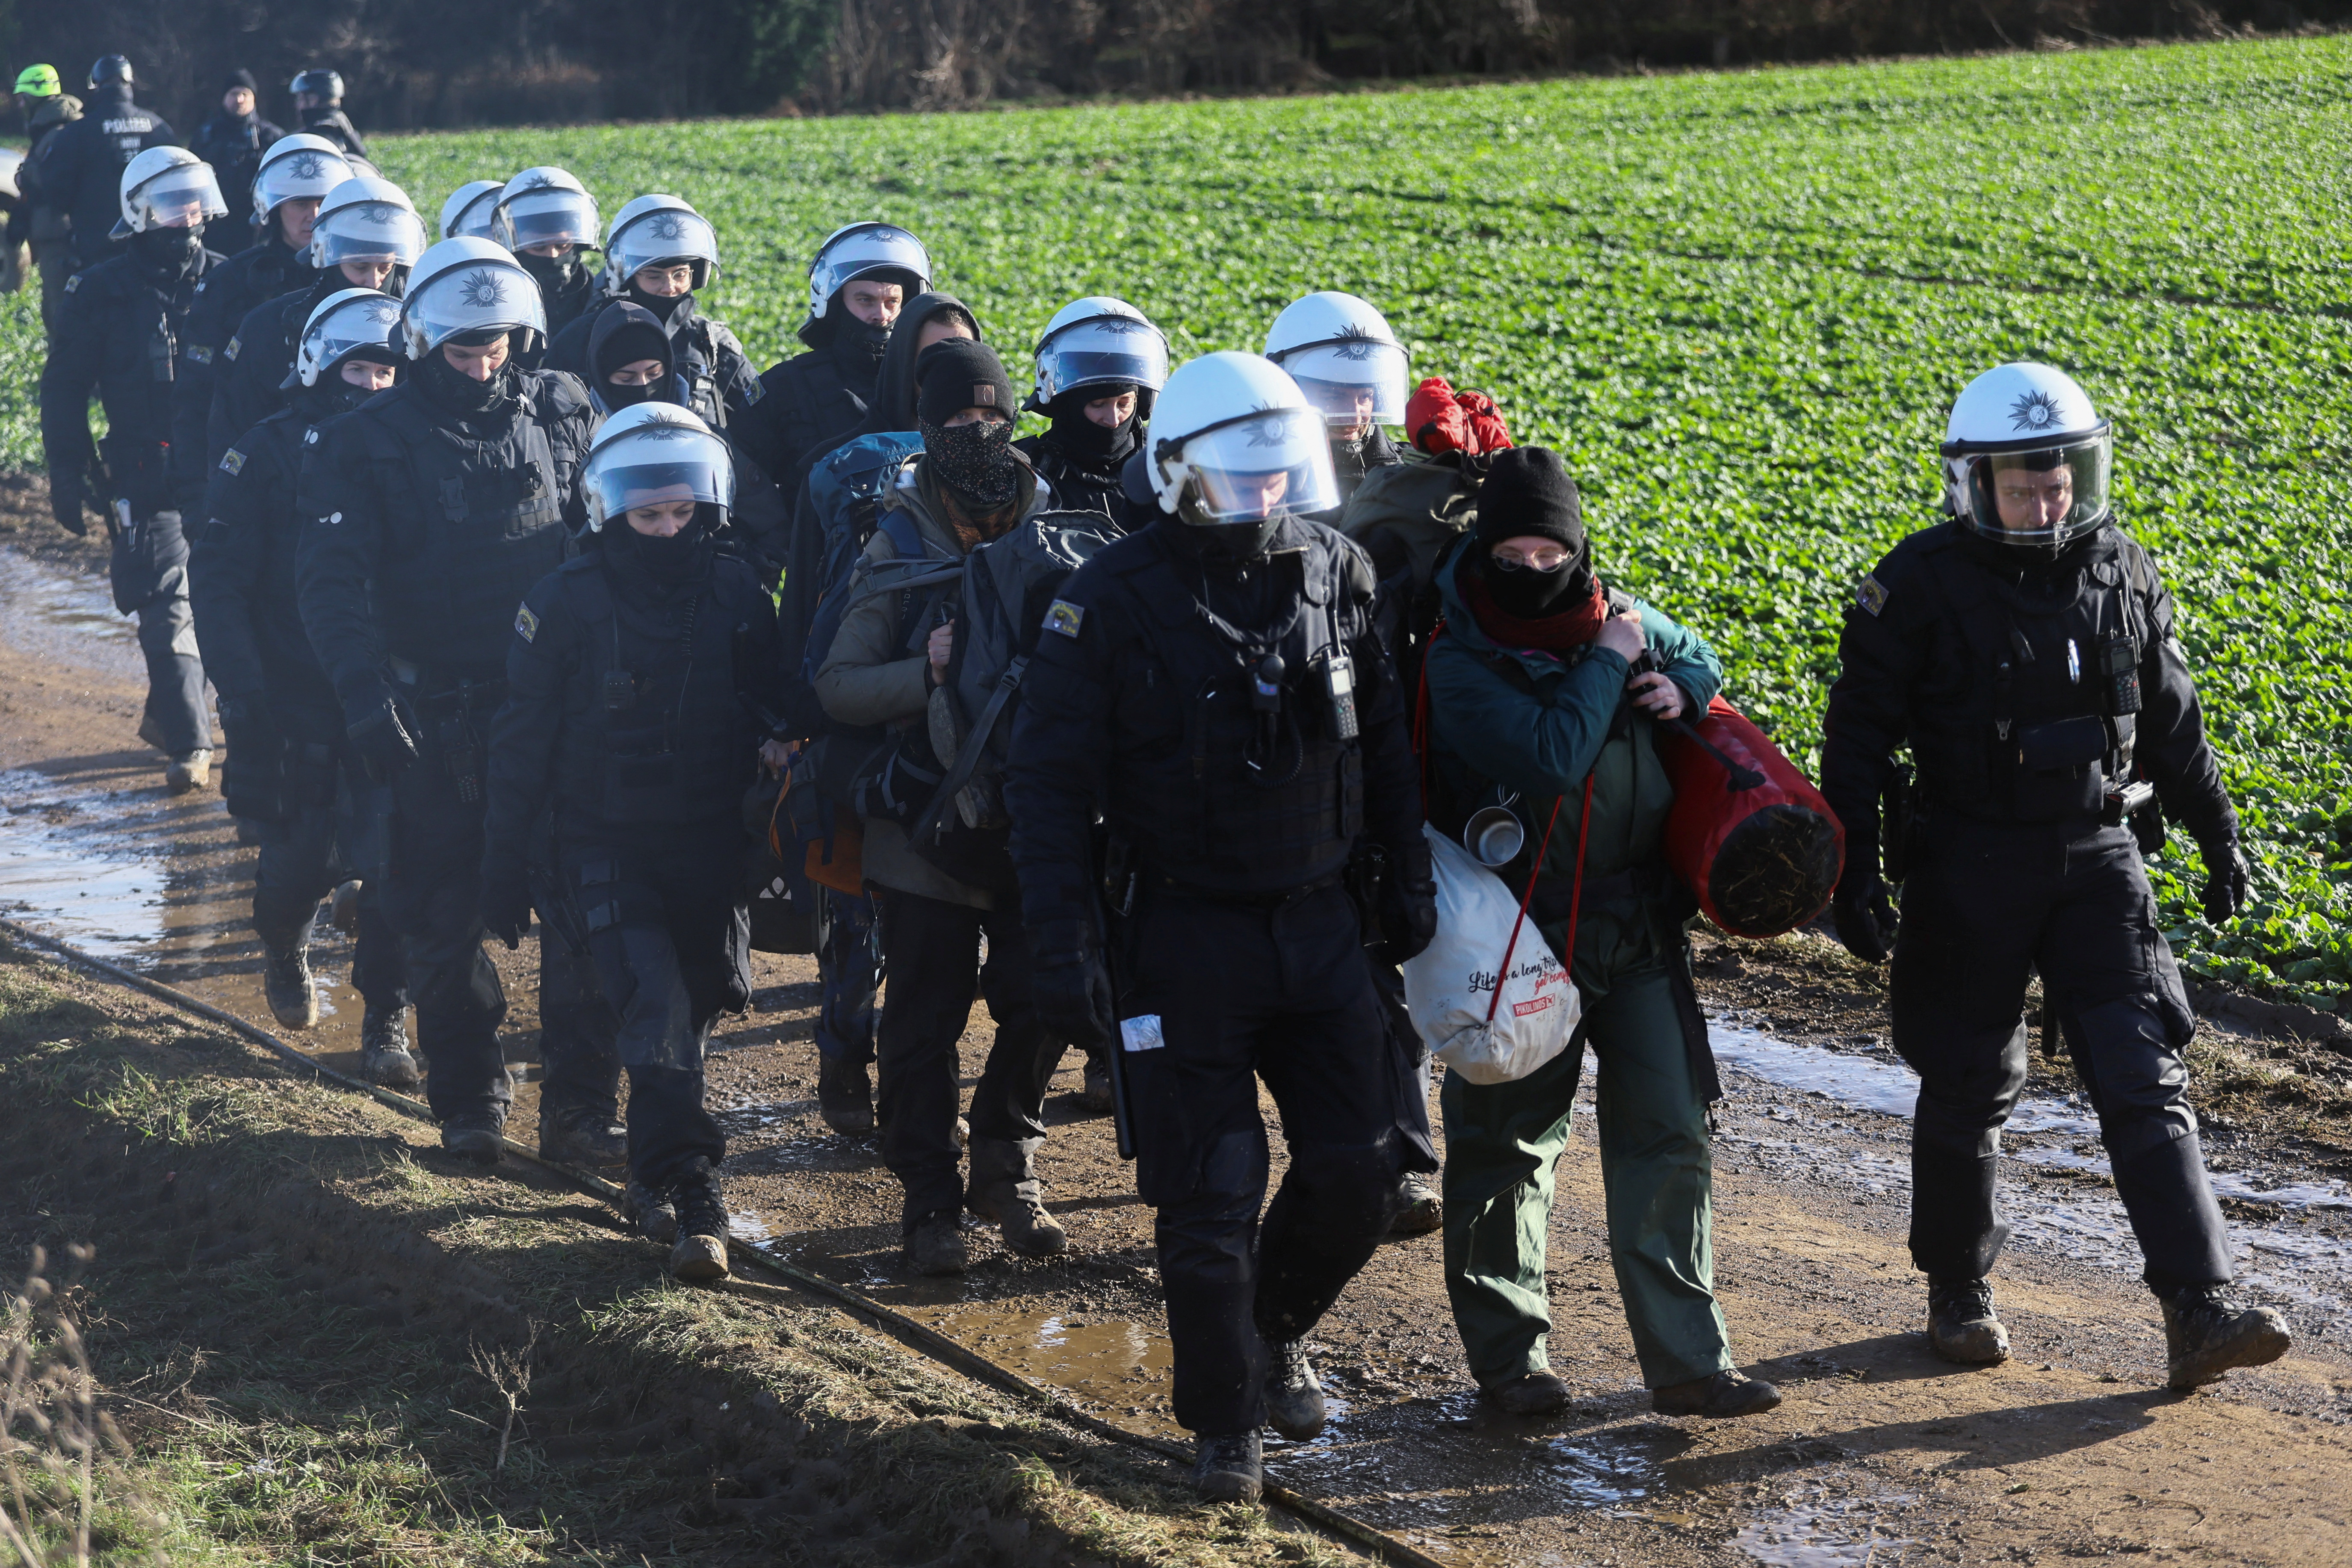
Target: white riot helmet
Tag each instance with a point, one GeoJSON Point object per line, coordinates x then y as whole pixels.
{"type": "Point", "coordinates": [654, 229]}
{"type": "Point", "coordinates": [295, 167]}
{"type": "Point", "coordinates": [366, 219]}
{"type": "Point", "coordinates": [168, 187]}
{"type": "Point", "coordinates": [545, 205]}
{"type": "Point", "coordinates": [347, 324]}
{"type": "Point", "coordinates": [1340, 351]}
{"type": "Point", "coordinates": [1234, 442]}
{"type": "Point", "coordinates": [655, 452]}
{"type": "Point", "coordinates": [465, 286]}
{"type": "Point", "coordinates": [2027, 458]}
{"type": "Point", "coordinates": [865, 250]}
{"type": "Point", "coordinates": [1096, 341]}
{"type": "Point", "coordinates": [472, 208]}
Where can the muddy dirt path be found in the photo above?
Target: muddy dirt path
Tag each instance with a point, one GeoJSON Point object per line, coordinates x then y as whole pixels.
{"type": "Point", "coordinates": [1881, 1454]}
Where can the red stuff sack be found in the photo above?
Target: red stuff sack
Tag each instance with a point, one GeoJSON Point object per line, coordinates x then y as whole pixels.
{"type": "Point", "coordinates": [1748, 834]}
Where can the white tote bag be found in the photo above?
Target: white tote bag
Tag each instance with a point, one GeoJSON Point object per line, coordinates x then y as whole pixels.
{"type": "Point", "coordinates": [1487, 993]}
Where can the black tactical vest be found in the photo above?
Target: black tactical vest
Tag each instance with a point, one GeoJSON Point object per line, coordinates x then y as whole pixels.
{"type": "Point", "coordinates": [1266, 792]}
{"type": "Point", "coordinates": [469, 526]}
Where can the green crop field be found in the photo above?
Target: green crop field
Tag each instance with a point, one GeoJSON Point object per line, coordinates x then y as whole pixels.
{"type": "Point", "coordinates": [1740, 305]}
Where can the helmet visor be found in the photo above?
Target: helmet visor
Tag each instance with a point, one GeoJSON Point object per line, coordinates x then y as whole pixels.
{"type": "Point", "coordinates": [660, 463]}
{"type": "Point", "coordinates": [475, 218]}
{"type": "Point", "coordinates": [1355, 380]}
{"type": "Point", "coordinates": [362, 327]}
{"type": "Point", "coordinates": [367, 231]}
{"type": "Point", "coordinates": [310, 171]}
{"type": "Point", "coordinates": [2042, 497]}
{"type": "Point", "coordinates": [1108, 349]}
{"type": "Point", "coordinates": [479, 297]}
{"type": "Point", "coordinates": [550, 216]}
{"type": "Point", "coordinates": [666, 235]}
{"type": "Point", "coordinates": [179, 197]}
{"type": "Point", "coordinates": [1274, 464]}
{"type": "Point", "coordinates": [863, 252]}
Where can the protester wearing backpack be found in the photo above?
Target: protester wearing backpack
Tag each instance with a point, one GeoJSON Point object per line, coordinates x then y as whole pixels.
{"type": "Point", "coordinates": [895, 648]}
{"type": "Point", "coordinates": [1546, 694]}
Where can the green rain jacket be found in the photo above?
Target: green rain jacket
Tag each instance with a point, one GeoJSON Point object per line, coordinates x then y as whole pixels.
{"type": "Point", "coordinates": [1534, 724]}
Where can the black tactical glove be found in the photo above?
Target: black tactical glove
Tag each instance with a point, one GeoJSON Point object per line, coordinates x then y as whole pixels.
{"type": "Point", "coordinates": [1070, 987]}
{"type": "Point", "coordinates": [505, 901]}
{"type": "Point", "coordinates": [379, 739]}
{"type": "Point", "coordinates": [2226, 878]}
{"type": "Point", "coordinates": [253, 784]}
{"type": "Point", "coordinates": [1865, 919]}
{"type": "Point", "coordinates": [1408, 904]}
{"type": "Point", "coordinates": [66, 506]}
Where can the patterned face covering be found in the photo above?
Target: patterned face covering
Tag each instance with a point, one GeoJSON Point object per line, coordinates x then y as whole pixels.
{"type": "Point", "coordinates": [975, 460]}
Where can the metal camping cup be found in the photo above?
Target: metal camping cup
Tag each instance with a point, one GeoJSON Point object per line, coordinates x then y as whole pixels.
{"type": "Point", "coordinates": [1494, 835]}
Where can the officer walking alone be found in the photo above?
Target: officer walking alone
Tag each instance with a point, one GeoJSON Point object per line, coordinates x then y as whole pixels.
{"type": "Point", "coordinates": [1212, 687]}
{"type": "Point", "coordinates": [2025, 650]}
{"type": "Point", "coordinates": [121, 332]}
{"type": "Point", "coordinates": [432, 512]}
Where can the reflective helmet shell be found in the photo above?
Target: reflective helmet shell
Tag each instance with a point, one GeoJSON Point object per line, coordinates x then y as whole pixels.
{"type": "Point", "coordinates": [340, 326]}
{"type": "Point", "coordinates": [111, 69]}
{"type": "Point", "coordinates": [297, 166]}
{"type": "Point", "coordinates": [367, 217]}
{"type": "Point", "coordinates": [2024, 407]}
{"type": "Point", "coordinates": [1252, 400]}
{"type": "Point", "coordinates": [657, 228]}
{"type": "Point", "coordinates": [467, 285]}
{"type": "Point", "coordinates": [1095, 341]}
{"type": "Point", "coordinates": [160, 169]}
{"type": "Point", "coordinates": [860, 250]}
{"type": "Point", "coordinates": [546, 205]}
{"type": "Point", "coordinates": [647, 437]}
{"type": "Point", "coordinates": [1342, 341]}
{"type": "Point", "coordinates": [471, 209]}
{"type": "Point", "coordinates": [326, 84]}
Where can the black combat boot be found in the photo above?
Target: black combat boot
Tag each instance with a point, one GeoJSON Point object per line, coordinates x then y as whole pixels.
{"type": "Point", "coordinates": [844, 1096]}
{"type": "Point", "coordinates": [1960, 1323]}
{"type": "Point", "coordinates": [1228, 1468]}
{"type": "Point", "coordinates": [701, 1250]}
{"type": "Point", "coordinates": [1722, 1397]}
{"type": "Point", "coordinates": [1004, 1188]}
{"type": "Point", "coordinates": [935, 1243]}
{"type": "Point", "coordinates": [650, 1210]}
{"type": "Point", "coordinates": [473, 1136]}
{"type": "Point", "coordinates": [285, 983]}
{"type": "Point", "coordinates": [383, 1048]}
{"type": "Point", "coordinates": [582, 1138]}
{"type": "Point", "coordinates": [2206, 1333]}
{"type": "Point", "coordinates": [1529, 1394]}
{"type": "Point", "coordinates": [1294, 1394]}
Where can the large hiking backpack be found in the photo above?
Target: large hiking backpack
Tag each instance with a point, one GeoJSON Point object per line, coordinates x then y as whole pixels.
{"type": "Point", "coordinates": [845, 493]}
{"type": "Point", "coordinates": [1009, 587]}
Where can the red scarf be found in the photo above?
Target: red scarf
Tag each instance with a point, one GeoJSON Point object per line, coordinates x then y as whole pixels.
{"type": "Point", "coordinates": [1561, 630]}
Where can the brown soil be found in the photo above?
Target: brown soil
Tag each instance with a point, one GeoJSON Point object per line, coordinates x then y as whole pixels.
{"type": "Point", "coordinates": [2072, 1448]}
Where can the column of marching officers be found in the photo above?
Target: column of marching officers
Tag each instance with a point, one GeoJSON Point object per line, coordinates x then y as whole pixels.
{"type": "Point", "coordinates": [515, 583]}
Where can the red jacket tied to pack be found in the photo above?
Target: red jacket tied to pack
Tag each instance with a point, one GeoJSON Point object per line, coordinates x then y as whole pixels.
{"type": "Point", "coordinates": [1748, 834]}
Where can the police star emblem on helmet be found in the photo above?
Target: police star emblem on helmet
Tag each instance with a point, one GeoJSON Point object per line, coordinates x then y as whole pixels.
{"type": "Point", "coordinates": [2036, 410]}
{"type": "Point", "coordinates": [1272, 430]}
{"type": "Point", "coordinates": [1355, 342]}
{"type": "Point", "coordinates": [377, 212]}
{"type": "Point", "coordinates": [666, 226]}
{"type": "Point", "coordinates": [307, 165]}
{"type": "Point", "coordinates": [482, 290]}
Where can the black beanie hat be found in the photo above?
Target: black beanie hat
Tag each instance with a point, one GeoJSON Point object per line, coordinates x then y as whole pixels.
{"type": "Point", "coordinates": [240, 78]}
{"type": "Point", "coordinates": [625, 333]}
{"type": "Point", "coordinates": [1527, 491]}
{"type": "Point", "coordinates": [958, 373]}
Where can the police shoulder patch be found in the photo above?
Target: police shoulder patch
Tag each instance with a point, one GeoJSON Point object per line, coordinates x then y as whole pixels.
{"type": "Point", "coordinates": [754, 388]}
{"type": "Point", "coordinates": [232, 461]}
{"type": "Point", "coordinates": [1066, 617]}
{"type": "Point", "coordinates": [200, 353]}
{"type": "Point", "coordinates": [526, 623]}
{"type": "Point", "coordinates": [1871, 595]}
{"type": "Point", "coordinates": [234, 344]}
{"type": "Point", "coordinates": [73, 284]}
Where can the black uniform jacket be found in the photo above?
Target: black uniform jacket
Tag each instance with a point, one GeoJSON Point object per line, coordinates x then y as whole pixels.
{"type": "Point", "coordinates": [121, 331]}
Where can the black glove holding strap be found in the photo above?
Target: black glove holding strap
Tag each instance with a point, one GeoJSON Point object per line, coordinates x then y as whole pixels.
{"type": "Point", "coordinates": [1409, 902]}
{"type": "Point", "coordinates": [1864, 916]}
{"type": "Point", "coordinates": [380, 735]}
{"type": "Point", "coordinates": [1070, 985]}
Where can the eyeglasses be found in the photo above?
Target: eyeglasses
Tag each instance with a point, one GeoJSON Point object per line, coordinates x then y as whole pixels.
{"type": "Point", "coordinates": [1541, 561]}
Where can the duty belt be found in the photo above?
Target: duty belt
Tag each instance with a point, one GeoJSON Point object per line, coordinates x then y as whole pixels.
{"type": "Point", "coordinates": [1249, 901]}
{"type": "Point", "coordinates": [448, 705]}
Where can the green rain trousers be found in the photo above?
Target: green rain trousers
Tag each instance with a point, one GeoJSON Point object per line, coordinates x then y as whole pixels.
{"type": "Point", "coordinates": [1501, 1142]}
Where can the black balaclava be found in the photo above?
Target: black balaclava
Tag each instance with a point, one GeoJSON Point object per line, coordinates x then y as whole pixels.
{"type": "Point", "coordinates": [855, 347]}
{"type": "Point", "coordinates": [974, 461]}
{"type": "Point", "coordinates": [625, 333]}
{"type": "Point", "coordinates": [1098, 446]}
{"type": "Point", "coordinates": [553, 274]}
{"type": "Point", "coordinates": [333, 395]}
{"type": "Point", "coordinates": [454, 391]}
{"type": "Point", "coordinates": [666, 565]}
{"type": "Point", "coordinates": [1527, 492]}
{"type": "Point", "coordinates": [168, 254]}
{"type": "Point", "coordinates": [661, 307]}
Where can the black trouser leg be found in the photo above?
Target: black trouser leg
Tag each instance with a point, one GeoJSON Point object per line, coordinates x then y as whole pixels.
{"type": "Point", "coordinates": [379, 970]}
{"type": "Point", "coordinates": [148, 570]}
{"type": "Point", "coordinates": [294, 866]}
{"type": "Point", "coordinates": [432, 900]}
{"type": "Point", "coordinates": [931, 949]}
{"type": "Point", "coordinates": [1294, 1000]}
{"type": "Point", "coordinates": [1009, 1102]}
{"type": "Point", "coordinates": [579, 1058]}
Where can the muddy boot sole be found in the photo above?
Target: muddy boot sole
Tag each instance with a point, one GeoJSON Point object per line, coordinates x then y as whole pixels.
{"type": "Point", "coordinates": [699, 1258]}
{"type": "Point", "coordinates": [2258, 1338]}
{"type": "Point", "coordinates": [600, 1148]}
{"type": "Point", "coordinates": [1984, 1344]}
{"type": "Point", "coordinates": [391, 1069]}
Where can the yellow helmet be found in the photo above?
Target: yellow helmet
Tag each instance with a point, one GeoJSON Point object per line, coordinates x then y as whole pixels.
{"type": "Point", "coordinates": [39, 82]}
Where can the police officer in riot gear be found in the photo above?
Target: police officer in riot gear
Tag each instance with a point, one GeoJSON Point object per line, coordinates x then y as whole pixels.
{"type": "Point", "coordinates": [631, 680]}
{"type": "Point", "coordinates": [2025, 650]}
{"type": "Point", "coordinates": [366, 234]}
{"type": "Point", "coordinates": [1099, 364]}
{"type": "Point", "coordinates": [319, 104]}
{"type": "Point", "coordinates": [121, 332]}
{"type": "Point", "coordinates": [547, 217]}
{"type": "Point", "coordinates": [285, 726]}
{"type": "Point", "coordinates": [1344, 357]}
{"type": "Point", "coordinates": [81, 163]}
{"type": "Point", "coordinates": [430, 511]}
{"type": "Point", "coordinates": [46, 106]}
{"type": "Point", "coordinates": [1212, 687]}
{"type": "Point", "coordinates": [233, 139]}
{"type": "Point", "coordinates": [294, 179]}
{"type": "Point", "coordinates": [472, 209]}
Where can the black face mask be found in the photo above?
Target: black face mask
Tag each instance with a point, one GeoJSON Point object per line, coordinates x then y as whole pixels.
{"type": "Point", "coordinates": [663, 306]}
{"type": "Point", "coordinates": [1098, 444]}
{"type": "Point", "coordinates": [857, 348]}
{"type": "Point", "coordinates": [549, 272]}
{"type": "Point", "coordinates": [451, 389]}
{"type": "Point", "coordinates": [976, 461]}
{"type": "Point", "coordinates": [1531, 594]}
{"type": "Point", "coordinates": [168, 252]}
{"type": "Point", "coordinates": [662, 388]}
{"type": "Point", "coordinates": [669, 563]}
{"type": "Point", "coordinates": [333, 395]}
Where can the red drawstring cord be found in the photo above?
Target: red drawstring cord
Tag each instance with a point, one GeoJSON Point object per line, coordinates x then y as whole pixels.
{"type": "Point", "coordinates": [1575, 900]}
